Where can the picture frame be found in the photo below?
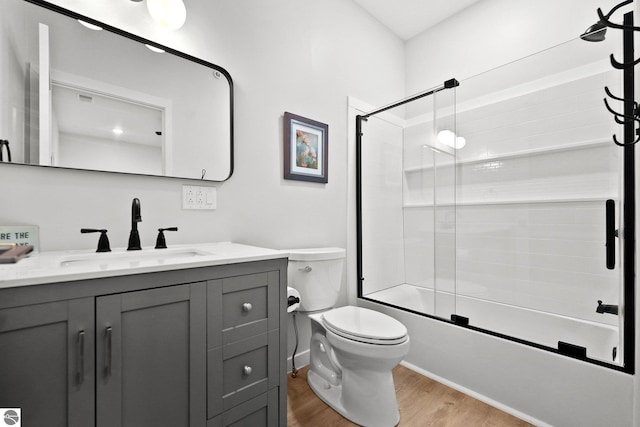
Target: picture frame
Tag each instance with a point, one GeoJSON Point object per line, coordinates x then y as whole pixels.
{"type": "Point", "coordinates": [306, 149]}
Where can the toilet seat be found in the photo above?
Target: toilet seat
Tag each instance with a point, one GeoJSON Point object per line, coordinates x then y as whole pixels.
{"type": "Point", "coordinates": [364, 325]}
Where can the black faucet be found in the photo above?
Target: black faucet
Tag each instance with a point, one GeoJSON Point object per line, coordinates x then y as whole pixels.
{"type": "Point", "coordinates": [136, 217]}
{"type": "Point", "coordinates": [103, 242]}
{"type": "Point", "coordinates": [161, 242]}
{"type": "Point", "coordinates": [606, 308]}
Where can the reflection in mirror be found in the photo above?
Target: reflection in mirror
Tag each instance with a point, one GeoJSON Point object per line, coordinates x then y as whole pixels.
{"type": "Point", "coordinates": [134, 143]}
{"type": "Point", "coordinates": [102, 99]}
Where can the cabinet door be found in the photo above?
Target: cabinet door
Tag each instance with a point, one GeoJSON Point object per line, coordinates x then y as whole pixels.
{"type": "Point", "coordinates": [46, 363]}
{"type": "Point", "coordinates": [150, 354]}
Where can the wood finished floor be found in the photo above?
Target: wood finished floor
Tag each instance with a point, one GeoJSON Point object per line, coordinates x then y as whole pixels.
{"type": "Point", "coordinates": [421, 400]}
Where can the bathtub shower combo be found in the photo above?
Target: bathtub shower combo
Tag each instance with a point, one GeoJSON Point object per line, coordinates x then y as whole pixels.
{"type": "Point", "coordinates": [502, 203]}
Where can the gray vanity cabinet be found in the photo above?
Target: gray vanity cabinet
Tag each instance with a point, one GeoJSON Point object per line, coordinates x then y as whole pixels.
{"type": "Point", "coordinates": [200, 347]}
{"type": "Point", "coordinates": [243, 349]}
{"type": "Point", "coordinates": [150, 368]}
{"type": "Point", "coordinates": [46, 362]}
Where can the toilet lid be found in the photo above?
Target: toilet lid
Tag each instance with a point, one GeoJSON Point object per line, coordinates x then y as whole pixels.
{"type": "Point", "coordinates": [362, 324]}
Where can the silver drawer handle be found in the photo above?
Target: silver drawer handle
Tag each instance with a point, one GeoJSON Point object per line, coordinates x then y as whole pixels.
{"type": "Point", "coordinates": [247, 370]}
{"type": "Point", "coordinates": [306, 269]}
{"type": "Point", "coordinates": [247, 307]}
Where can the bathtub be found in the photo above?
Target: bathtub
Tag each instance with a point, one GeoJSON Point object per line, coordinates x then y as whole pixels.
{"type": "Point", "coordinates": [539, 327]}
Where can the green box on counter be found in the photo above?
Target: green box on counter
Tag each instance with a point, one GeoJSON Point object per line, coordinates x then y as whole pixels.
{"type": "Point", "coordinates": [20, 235]}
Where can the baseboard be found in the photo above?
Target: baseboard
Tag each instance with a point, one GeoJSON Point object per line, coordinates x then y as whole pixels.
{"type": "Point", "coordinates": [475, 395]}
{"type": "Point", "coordinates": [302, 359]}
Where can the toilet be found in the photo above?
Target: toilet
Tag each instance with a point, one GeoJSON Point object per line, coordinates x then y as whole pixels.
{"type": "Point", "coordinates": [352, 349]}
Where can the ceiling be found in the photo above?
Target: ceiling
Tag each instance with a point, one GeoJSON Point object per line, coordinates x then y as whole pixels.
{"type": "Point", "coordinates": [90, 115]}
{"type": "Point", "coordinates": [408, 18]}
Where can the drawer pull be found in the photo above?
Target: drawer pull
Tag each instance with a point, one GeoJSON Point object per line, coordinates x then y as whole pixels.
{"type": "Point", "coordinates": [247, 370]}
{"type": "Point", "coordinates": [247, 307]}
{"type": "Point", "coordinates": [108, 349]}
{"type": "Point", "coordinates": [80, 358]}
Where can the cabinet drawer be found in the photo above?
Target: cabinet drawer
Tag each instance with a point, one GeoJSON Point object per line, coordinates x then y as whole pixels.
{"type": "Point", "coordinates": [241, 371]}
{"type": "Point", "coordinates": [245, 306]}
{"type": "Point", "coordinates": [247, 369]}
{"type": "Point", "coordinates": [241, 307]}
{"type": "Point", "coordinates": [261, 411]}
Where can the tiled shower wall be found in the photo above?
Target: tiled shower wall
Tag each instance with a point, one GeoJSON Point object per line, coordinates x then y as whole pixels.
{"type": "Point", "coordinates": [519, 219]}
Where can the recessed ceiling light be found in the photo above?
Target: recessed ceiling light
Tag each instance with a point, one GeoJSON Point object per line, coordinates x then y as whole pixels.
{"type": "Point", "coordinates": [117, 131]}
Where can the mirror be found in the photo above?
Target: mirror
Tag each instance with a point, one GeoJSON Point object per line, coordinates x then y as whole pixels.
{"type": "Point", "coordinates": [107, 100]}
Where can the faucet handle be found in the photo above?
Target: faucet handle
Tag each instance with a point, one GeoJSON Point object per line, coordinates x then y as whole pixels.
{"type": "Point", "coordinates": [103, 242]}
{"type": "Point", "coordinates": [161, 243]}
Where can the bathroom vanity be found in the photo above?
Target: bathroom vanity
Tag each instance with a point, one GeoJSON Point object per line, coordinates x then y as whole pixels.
{"type": "Point", "coordinates": [188, 337]}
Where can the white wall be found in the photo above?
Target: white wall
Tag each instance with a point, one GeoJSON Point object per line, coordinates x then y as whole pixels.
{"type": "Point", "coordinates": [304, 57]}
{"type": "Point", "coordinates": [492, 33]}
{"type": "Point", "coordinates": [76, 151]}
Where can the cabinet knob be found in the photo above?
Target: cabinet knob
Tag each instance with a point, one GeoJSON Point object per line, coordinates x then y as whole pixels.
{"type": "Point", "coordinates": [247, 370]}
{"type": "Point", "coordinates": [247, 307]}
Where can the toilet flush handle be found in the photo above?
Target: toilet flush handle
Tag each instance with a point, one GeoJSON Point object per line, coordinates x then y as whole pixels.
{"type": "Point", "coordinates": [306, 269]}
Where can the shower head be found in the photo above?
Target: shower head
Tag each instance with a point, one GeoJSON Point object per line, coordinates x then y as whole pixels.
{"type": "Point", "coordinates": [595, 33]}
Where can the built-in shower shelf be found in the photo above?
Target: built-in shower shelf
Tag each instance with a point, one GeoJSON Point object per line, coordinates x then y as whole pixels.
{"type": "Point", "coordinates": [517, 154]}
{"type": "Point", "coordinates": [600, 199]}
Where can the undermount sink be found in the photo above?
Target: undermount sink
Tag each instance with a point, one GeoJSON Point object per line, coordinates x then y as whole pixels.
{"type": "Point", "coordinates": [109, 260]}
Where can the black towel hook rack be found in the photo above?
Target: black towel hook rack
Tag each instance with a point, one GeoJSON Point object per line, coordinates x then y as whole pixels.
{"type": "Point", "coordinates": [630, 117]}
{"type": "Point", "coordinates": [605, 18]}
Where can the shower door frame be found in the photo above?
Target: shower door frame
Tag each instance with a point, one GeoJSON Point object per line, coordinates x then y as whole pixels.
{"type": "Point", "coordinates": [627, 231]}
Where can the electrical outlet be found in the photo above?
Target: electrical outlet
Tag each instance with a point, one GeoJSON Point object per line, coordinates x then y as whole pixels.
{"type": "Point", "coordinates": [198, 197]}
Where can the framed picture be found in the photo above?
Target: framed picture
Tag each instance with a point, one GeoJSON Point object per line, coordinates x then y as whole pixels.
{"type": "Point", "coordinates": [306, 149]}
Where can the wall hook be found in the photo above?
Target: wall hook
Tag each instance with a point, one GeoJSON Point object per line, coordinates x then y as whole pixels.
{"type": "Point", "coordinates": [617, 116]}
{"type": "Point", "coordinates": [605, 18]}
{"type": "Point", "coordinates": [622, 144]}
{"type": "Point", "coordinates": [623, 65]}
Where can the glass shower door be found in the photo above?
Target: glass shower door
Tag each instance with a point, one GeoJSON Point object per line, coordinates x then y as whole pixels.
{"type": "Point", "coordinates": [532, 185]}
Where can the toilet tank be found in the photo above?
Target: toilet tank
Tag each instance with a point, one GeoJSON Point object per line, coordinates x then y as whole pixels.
{"type": "Point", "coordinates": [317, 275]}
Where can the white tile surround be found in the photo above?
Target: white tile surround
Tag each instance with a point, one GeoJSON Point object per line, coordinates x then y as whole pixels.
{"type": "Point", "coordinates": [516, 218]}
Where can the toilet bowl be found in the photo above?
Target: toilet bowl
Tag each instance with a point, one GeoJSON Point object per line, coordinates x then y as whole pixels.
{"type": "Point", "coordinates": [352, 353]}
{"type": "Point", "coordinates": [352, 349]}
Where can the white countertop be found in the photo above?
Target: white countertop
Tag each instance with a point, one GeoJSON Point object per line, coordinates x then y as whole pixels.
{"type": "Point", "coordinates": [64, 266]}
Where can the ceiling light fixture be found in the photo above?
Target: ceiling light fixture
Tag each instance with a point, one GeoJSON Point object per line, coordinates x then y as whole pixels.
{"type": "Point", "coordinates": [171, 14]}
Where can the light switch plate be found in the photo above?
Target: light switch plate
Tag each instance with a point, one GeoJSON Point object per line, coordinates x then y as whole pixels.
{"type": "Point", "coordinates": [196, 197]}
